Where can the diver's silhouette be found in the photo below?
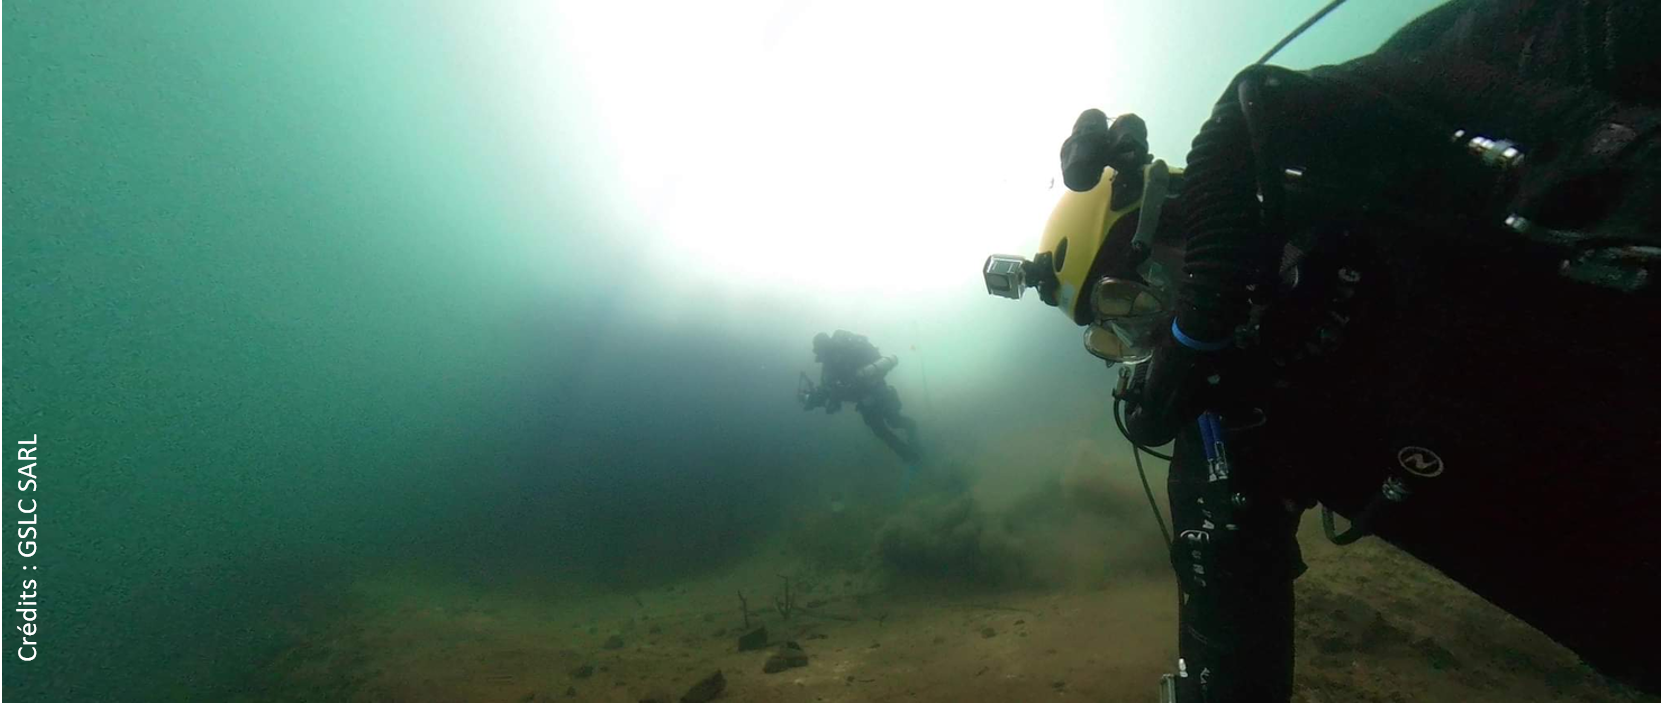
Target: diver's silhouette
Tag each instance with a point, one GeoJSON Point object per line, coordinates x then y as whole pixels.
{"type": "Point", "coordinates": [853, 371]}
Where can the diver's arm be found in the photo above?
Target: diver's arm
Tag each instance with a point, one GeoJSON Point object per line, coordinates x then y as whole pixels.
{"type": "Point", "coordinates": [1168, 399]}
{"type": "Point", "coordinates": [1235, 562]}
{"type": "Point", "coordinates": [814, 399]}
{"type": "Point", "coordinates": [830, 386]}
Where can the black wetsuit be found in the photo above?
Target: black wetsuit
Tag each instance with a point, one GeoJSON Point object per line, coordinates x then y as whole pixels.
{"type": "Point", "coordinates": [1511, 412]}
{"type": "Point", "coordinates": [842, 357]}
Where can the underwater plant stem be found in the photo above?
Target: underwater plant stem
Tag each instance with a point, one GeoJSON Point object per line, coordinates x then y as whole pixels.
{"type": "Point", "coordinates": [784, 604]}
{"type": "Point", "coordinates": [923, 371]}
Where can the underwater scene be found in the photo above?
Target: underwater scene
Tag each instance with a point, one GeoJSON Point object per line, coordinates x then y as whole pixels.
{"type": "Point", "coordinates": [532, 351]}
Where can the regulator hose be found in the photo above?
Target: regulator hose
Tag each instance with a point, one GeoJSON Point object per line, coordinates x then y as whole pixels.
{"type": "Point", "coordinates": [1225, 231]}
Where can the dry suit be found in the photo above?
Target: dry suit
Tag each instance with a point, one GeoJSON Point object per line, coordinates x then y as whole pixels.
{"type": "Point", "coordinates": [1452, 345]}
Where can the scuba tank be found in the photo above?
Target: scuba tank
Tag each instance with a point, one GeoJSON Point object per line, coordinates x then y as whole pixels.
{"type": "Point", "coordinates": [876, 370]}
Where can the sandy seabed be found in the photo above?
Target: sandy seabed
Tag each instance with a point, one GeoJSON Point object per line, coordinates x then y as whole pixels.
{"type": "Point", "coordinates": [1373, 625]}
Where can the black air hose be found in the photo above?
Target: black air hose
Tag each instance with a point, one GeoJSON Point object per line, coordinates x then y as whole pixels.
{"type": "Point", "coordinates": [1225, 243]}
{"type": "Point", "coordinates": [1227, 251]}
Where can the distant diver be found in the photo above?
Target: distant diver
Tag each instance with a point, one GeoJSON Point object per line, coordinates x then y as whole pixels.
{"type": "Point", "coordinates": [1418, 288]}
{"type": "Point", "coordinates": [853, 371]}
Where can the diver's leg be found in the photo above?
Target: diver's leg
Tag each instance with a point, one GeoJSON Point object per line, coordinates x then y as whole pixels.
{"type": "Point", "coordinates": [910, 427]}
{"type": "Point", "coordinates": [901, 422]}
{"type": "Point", "coordinates": [875, 420]}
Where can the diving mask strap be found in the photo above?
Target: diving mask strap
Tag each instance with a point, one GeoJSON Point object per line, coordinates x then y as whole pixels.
{"type": "Point", "coordinates": [1153, 202]}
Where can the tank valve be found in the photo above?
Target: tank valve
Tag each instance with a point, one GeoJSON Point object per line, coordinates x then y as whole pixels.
{"type": "Point", "coordinates": [1494, 152]}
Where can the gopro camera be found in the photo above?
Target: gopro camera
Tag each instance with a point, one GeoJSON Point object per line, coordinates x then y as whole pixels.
{"type": "Point", "coordinates": [1005, 276]}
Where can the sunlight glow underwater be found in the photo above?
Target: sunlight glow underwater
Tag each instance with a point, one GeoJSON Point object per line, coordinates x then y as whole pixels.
{"type": "Point", "coordinates": [831, 147]}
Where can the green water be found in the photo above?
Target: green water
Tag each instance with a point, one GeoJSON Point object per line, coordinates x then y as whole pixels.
{"type": "Point", "coordinates": [294, 291]}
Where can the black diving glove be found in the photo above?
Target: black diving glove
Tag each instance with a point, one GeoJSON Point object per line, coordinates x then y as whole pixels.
{"type": "Point", "coordinates": [1171, 395]}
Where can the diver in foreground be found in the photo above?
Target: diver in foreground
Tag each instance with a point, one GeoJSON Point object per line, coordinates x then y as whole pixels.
{"type": "Point", "coordinates": [1418, 288]}
{"type": "Point", "coordinates": [853, 371]}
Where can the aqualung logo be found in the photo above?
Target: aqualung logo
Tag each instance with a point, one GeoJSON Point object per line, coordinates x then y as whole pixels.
{"type": "Point", "coordinates": [1419, 462]}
